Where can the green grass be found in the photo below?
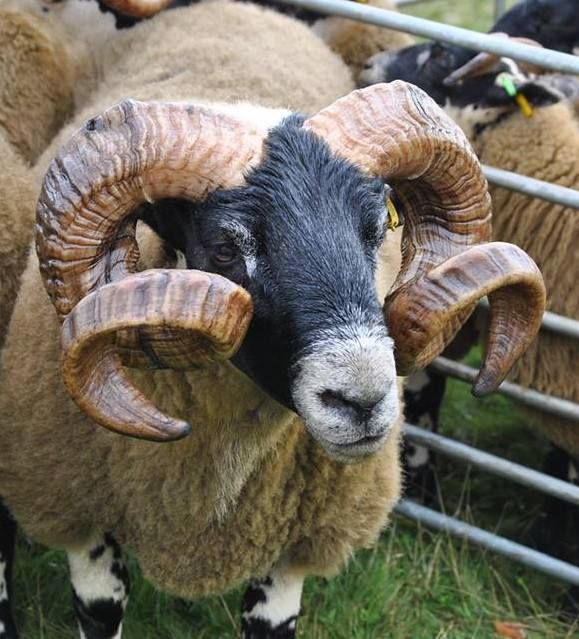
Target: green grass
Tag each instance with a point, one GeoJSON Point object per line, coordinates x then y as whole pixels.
{"type": "Point", "coordinates": [471, 14]}
{"type": "Point", "coordinates": [413, 585]}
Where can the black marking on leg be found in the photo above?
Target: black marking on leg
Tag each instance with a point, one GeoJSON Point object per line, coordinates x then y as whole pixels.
{"type": "Point", "coordinates": [98, 619]}
{"type": "Point", "coordinates": [7, 541]}
{"type": "Point", "coordinates": [255, 623]}
{"type": "Point", "coordinates": [253, 595]}
{"type": "Point", "coordinates": [257, 628]}
{"type": "Point", "coordinates": [100, 585]}
{"type": "Point", "coordinates": [98, 552]}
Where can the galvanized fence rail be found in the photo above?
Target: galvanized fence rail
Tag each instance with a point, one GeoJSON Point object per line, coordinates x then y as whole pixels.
{"type": "Point", "coordinates": [550, 60]}
{"type": "Point", "coordinates": [517, 552]}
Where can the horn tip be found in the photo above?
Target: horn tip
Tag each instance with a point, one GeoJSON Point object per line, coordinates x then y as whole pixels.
{"type": "Point", "coordinates": [178, 431]}
{"type": "Point", "coordinates": [485, 384]}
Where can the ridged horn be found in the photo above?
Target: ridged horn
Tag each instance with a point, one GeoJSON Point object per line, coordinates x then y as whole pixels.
{"type": "Point", "coordinates": [125, 323]}
{"type": "Point", "coordinates": [397, 132]}
{"type": "Point", "coordinates": [85, 240]}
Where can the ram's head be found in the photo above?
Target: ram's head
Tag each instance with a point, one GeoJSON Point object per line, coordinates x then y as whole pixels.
{"type": "Point", "coordinates": [280, 230]}
{"type": "Point", "coordinates": [477, 90]}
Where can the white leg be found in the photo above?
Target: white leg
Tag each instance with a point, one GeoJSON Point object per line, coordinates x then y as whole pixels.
{"type": "Point", "coordinates": [271, 606]}
{"type": "Point", "coordinates": [100, 587]}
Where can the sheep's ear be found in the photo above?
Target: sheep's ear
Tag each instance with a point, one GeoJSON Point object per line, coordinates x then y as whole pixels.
{"type": "Point", "coordinates": [539, 94]}
{"type": "Point", "coordinates": [169, 219]}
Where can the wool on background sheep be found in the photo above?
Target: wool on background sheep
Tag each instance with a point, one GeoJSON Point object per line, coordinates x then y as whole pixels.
{"type": "Point", "coordinates": [18, 195]}
{"type": "Point", "coordinates": [546, 147]}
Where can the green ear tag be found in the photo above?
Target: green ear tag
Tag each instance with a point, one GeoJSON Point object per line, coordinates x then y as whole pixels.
{"type": "Point", "coordinates": [508, 85]}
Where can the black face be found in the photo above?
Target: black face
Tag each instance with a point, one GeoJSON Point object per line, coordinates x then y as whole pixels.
{"type": "Point", "coordinates": [301, 236]}
{"type": "Point", "coordinates": [425, 65]}
{"type": "Point", "coordinates": [552, 23]}
{"type": "Point", "coordinates": [428, 65]}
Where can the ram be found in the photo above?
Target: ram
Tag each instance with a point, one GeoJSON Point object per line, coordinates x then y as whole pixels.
{"type": "Point", "coordinates": [279, 219]}
{"type": "Point", "coordinates": [544, 146]}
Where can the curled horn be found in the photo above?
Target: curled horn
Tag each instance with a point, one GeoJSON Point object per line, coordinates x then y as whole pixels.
{"type": "Point", "coordinates": [138, 8]}
{"type": "Point", "coordinates": [485, 62]}
{"type": "Point", "coordinates": [85, 240]}
{"type": "Point", "coordinates": [397, 132]}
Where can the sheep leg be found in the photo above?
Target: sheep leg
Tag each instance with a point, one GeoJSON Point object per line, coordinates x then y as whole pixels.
{"type": "Point", "coordinates": [423, 397]}
{"type": "Point", "coordinates": [7, 539]}
{"type": "Point", "coordinates": [271, 606]}
{"type": "Point", "coordinates": [100, 586]}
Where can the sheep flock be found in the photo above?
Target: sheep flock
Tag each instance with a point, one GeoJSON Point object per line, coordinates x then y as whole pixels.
{"type": "Point", "coordinates": [207, 318]}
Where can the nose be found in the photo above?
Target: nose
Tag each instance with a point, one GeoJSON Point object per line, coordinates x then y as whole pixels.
{"type": "Point", "coordinates": [355, 408]}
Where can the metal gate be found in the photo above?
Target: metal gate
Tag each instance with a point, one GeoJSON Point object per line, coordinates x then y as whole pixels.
{"type": "Point", "coordinates": [555, 61]}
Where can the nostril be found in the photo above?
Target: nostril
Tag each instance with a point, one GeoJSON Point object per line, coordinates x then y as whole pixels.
{"type": "Point", "coordinates": [333, 399]}
{"type": "Point", "coordinates": [359, 407]}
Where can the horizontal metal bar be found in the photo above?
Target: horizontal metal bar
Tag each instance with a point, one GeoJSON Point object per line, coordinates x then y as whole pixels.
{"type": "Point", "coordinates": [405, 3]}
{"type": "Point", "coordinates": [517, 552]}
{"type": "Point", "coordinates": [546, 403]}
{"type": "Point", "coordinates": [493, 464]}
{"type": "Point", "coordinates": [533, 187]}
{"type": "Point", "coordinates": [560, 324]}
{"type": "Point", "coordinates": [563, 62]}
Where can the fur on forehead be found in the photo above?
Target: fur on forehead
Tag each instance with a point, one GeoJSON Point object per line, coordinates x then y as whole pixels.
{"type": "Point", "coordinates": [302, 164]}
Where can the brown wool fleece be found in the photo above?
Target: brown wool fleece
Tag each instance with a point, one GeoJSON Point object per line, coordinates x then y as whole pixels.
{"type": "Point", "coordinates": [355, 42]}
{"type": "Point", "coordinates": [35, 83]}
{"type": "Point", "coordinates": [545, 147]}
{"type": "Point", "coordinates": [249, 487]}
{"type": "Point", "coordinates": [38, 87]}
{"type": "Point", "coordinates": [18, 193]}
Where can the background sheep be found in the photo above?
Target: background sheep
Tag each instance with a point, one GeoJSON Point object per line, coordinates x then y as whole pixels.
{"type": "Point", "coordinates": [503, 137]}
{"type": "Point", "coordinates": [353, 41]}
{"type": "Point", "coordinates": [35, 83]}
{"type": "Point", "coordinates": [263, 496]}
{"type": "Point", "coordinates": [553, 23]}
{"type": "Point", "coordinates": [18, 195]}
{"type": "Point", "coordinates": [545, 146]}
{"type": "Point", "coordinates": [47, 68]}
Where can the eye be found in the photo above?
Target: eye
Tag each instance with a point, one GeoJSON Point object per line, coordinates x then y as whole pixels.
{"type": "Point", "coordinates": [225, 254]}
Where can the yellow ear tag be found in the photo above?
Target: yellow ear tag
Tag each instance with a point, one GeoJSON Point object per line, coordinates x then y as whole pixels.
{"type": "Point", "coordinates": [524, 105]}
{"type": "Point", "coordinates": [393, 217]}
{"type": "Point", "coordinates": [363, 1]}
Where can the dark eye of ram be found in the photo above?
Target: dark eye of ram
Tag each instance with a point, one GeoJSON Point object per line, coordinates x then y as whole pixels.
{"type": "Point", "coordinates": [225, 254]}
